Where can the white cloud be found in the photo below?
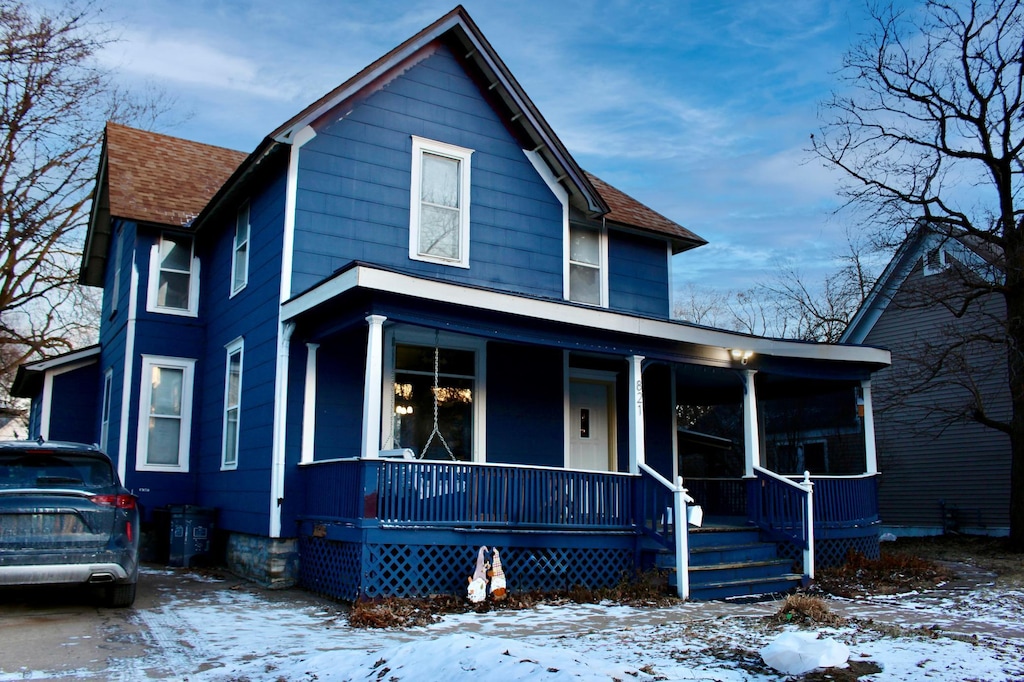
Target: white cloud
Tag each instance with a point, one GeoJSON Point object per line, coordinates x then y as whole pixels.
{"type": "Point", "coordinates": [191, 63]}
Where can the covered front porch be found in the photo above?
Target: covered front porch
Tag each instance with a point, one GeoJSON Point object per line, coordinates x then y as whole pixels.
{"type": "Point", "coordinates": [429, 430]}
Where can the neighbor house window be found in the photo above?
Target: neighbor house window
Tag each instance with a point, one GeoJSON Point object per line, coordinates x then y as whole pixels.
{"type": "Point", "coordinates": [173, 276]}
{"type": "Point", "coordinates": [232, 403]}
{"type": "Point", "coordinates": [108, 389]}
{"type": "Point", "coordinates": [240, 254]}
{"type": "Point", "coordinates": [165, 415]}
{"type": "Point", "coordinates": [587, 277]}
{"type": "Point", "coordinates": [439, 209]}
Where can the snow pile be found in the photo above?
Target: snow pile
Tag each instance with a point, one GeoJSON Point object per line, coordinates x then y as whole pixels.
{"type": "Point", "coordinates": [458, 657]}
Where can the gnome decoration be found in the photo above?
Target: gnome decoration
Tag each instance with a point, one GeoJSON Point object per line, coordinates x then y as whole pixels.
{"type": "Point", "coordinates": [478, 583]}
{"type": "Point", "coordinates": [497, 577]}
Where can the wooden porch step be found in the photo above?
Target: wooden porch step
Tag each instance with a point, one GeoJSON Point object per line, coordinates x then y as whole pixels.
{"type": "Point", "coordinates": [748, 587]}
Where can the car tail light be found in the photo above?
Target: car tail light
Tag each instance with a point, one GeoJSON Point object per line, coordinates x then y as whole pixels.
{"type": "Point", "coordinates": [119, 501]}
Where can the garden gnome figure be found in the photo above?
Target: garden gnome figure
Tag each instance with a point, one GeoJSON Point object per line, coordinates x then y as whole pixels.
{"type": "Point", "coordinates": [497, 577]}
{"type": "Point", "coordinates": [478, 583]}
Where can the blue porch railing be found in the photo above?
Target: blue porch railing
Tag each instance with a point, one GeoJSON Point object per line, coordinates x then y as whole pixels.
{"type": "Point", "coordinates": [784, 510]}
{"type": "Point", "coordinates": [444, 494]}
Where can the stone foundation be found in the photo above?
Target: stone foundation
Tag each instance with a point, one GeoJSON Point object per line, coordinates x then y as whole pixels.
{"type": "Point", "coordinates": [271, 562]}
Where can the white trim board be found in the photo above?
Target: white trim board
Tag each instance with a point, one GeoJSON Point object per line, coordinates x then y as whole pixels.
{"type": "Point", "coordinates": [593, 318]}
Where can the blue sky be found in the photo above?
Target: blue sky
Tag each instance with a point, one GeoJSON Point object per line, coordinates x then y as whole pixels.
{"type": "Point", "coordinates": [701, 109]}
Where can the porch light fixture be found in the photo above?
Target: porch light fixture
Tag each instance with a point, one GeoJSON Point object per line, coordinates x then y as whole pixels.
{"type": "Point", "coordinates": [741, 355]}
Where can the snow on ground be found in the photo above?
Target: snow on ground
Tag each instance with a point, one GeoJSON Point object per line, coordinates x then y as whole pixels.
{"type": "Point", "coordinates": [219, 634]}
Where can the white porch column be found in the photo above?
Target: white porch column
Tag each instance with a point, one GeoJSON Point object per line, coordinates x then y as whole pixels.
{"type": "Point", "coordinates": [372, 386]}
{"type": "Point", "coordinates": [870, 454]}
{"type": "Point", "coordinates": [636, 414]}
{"type": "Point", "coordinates": [751, 437]}
{"type": "Point", "coordinates": [309, 404]}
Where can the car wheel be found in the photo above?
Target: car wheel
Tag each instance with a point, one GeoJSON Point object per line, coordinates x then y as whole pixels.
{"type": "Point", "coordinates": [120, 596]}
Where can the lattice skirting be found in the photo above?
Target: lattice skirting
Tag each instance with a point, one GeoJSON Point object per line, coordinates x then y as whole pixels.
{"type": "Point", "coordinates": [830, 552]}
{"type": "Point", "coordinates": [348, 570]}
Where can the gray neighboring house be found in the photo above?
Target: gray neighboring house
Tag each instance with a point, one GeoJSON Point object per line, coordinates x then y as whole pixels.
{"type": "Point", "coordinates": [943, 471]}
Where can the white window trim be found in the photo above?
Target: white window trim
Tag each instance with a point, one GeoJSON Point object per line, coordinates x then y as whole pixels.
{"type": "Point", "coordinates": [108, 403]}
{"type": "Point", "coordinates": [234, 249]}
{"type": "Point", "coordinates": [236, 346]}
{"type": "Point", "coordinates": [418, 336]}
{"type": "Point", "coordinates": [602, 267]}
{"type": "Point", "coordinates": [115, 287]}
{"type": "Point", "coordinates": [421, 145]}
{"type": "Point", "coordinates": [154, 284]}
{"type": "Point", "coordinates": [187, 366]}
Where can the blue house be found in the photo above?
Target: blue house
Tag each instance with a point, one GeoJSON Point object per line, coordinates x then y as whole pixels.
{"type": "Point", "coordinates": [408, 325]}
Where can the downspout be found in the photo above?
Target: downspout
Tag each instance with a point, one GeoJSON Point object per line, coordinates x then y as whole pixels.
{"type": "Point", "coordinates": [284, 333]}
{"type": "Point", "coordinates": [128, 373]}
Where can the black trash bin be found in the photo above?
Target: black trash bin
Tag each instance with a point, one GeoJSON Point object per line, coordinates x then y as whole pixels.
{"type": "Point", "coordinates": [191, 535]}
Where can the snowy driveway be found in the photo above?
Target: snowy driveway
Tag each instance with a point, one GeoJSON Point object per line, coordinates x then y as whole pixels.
{"type": "Point", "coordinates": [192, 626]}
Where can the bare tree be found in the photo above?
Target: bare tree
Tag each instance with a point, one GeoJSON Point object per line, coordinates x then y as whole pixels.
{"type": "Point", "coordinates": [822, 311]}
{"type": "Point", "coordinates": [931, 129]}
{"type": "Point", "coordinates": [54, 104]}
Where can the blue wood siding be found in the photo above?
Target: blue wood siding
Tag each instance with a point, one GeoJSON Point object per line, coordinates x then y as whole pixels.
{"type": "Point", "coordinates": [339, 400]}
{"type": "Point", "coordinates": [242, 495]}
{"type": "Point", "coordinates": [525, 405]}
{"type": "Point", "coordinates": [638, 274]}
{"type": "Point", "coordinates": [74, 404]}
{"type": "Point", "coordinates": [354, 187]}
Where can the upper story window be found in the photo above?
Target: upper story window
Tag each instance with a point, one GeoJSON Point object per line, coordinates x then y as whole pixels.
{"type": "Point", "coordinates": [173, 276]}
{"type": "Point", "coordinates": [240, 252]}
{"type": "Point", "coordinates": [232, 404]}
{"type": "Point", "coordinates": [439, 208]}
{"type": "Point", "coordinates": [115, 288]}
{"type": "Point", "coordinates": [587, 274]}
{"type": "Point", "coordinates": [108, 397]}
{"type": "Point", "coordinates": [165, 414]}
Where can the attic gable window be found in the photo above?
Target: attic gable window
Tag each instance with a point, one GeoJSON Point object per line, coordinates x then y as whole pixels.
{"type": "Point", "coordinates": [439, 206]}
{"type": "Point", "coordinates": [173, 276]}
{"type": "Point", "coordinates": [935, 261]}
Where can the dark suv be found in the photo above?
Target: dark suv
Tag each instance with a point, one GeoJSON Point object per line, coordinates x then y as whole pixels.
{"type": "Point", "coordinates": [66, 519]}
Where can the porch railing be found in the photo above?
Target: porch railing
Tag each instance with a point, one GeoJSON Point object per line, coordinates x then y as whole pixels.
{"type": "Point", "coordinates": [404, 493]}
{"type": "Point", "coordinates": [844, 502]}
{"type": "Point", "coordinates": [784, 510]}
{"type": "Point", "coordinates": [662, 516]}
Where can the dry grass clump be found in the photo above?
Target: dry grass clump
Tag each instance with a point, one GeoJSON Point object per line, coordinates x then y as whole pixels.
{"type": "Point", "coordinates": [891, 573]}
{"type": "Point", "coordinates": [647, 589]}
{"type": "Point", "coordinates": [804, 608]}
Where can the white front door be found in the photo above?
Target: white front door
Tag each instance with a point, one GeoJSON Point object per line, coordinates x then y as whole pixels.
{"type": "Point", "coordinates": [589, 426]}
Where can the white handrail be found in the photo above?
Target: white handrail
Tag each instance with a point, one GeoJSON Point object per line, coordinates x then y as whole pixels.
{"type": "Point", "coordinates": [679, 527]}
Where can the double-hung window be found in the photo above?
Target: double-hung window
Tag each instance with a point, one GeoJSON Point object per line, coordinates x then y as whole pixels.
{"type": "Point", "coordinates": [173, 276]}
{"type": "Point", "coordinates": [439, 208]}
{"type": "Point", "coordinates": [165, 413]}
{"type": "Point", "coordinates": [232, 404]}
{"type": "Point", "coordinates": [240, 252]}
{"type": "Point", "coordinates": [587, 281]}
{"type": "Point", "coordinates": [108, 396]}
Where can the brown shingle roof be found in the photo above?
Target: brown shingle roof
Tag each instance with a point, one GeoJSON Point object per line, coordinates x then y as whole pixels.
{"type": "Point", "coordinates": [628, 211]}
{"type": "Point", "coordinates": [161, 179]}
{"type": "Point", "coordinates": [168, 180]}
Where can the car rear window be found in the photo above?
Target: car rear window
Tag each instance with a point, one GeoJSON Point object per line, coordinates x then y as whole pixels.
{"type": "Point", "coordinates": [66, 470]}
